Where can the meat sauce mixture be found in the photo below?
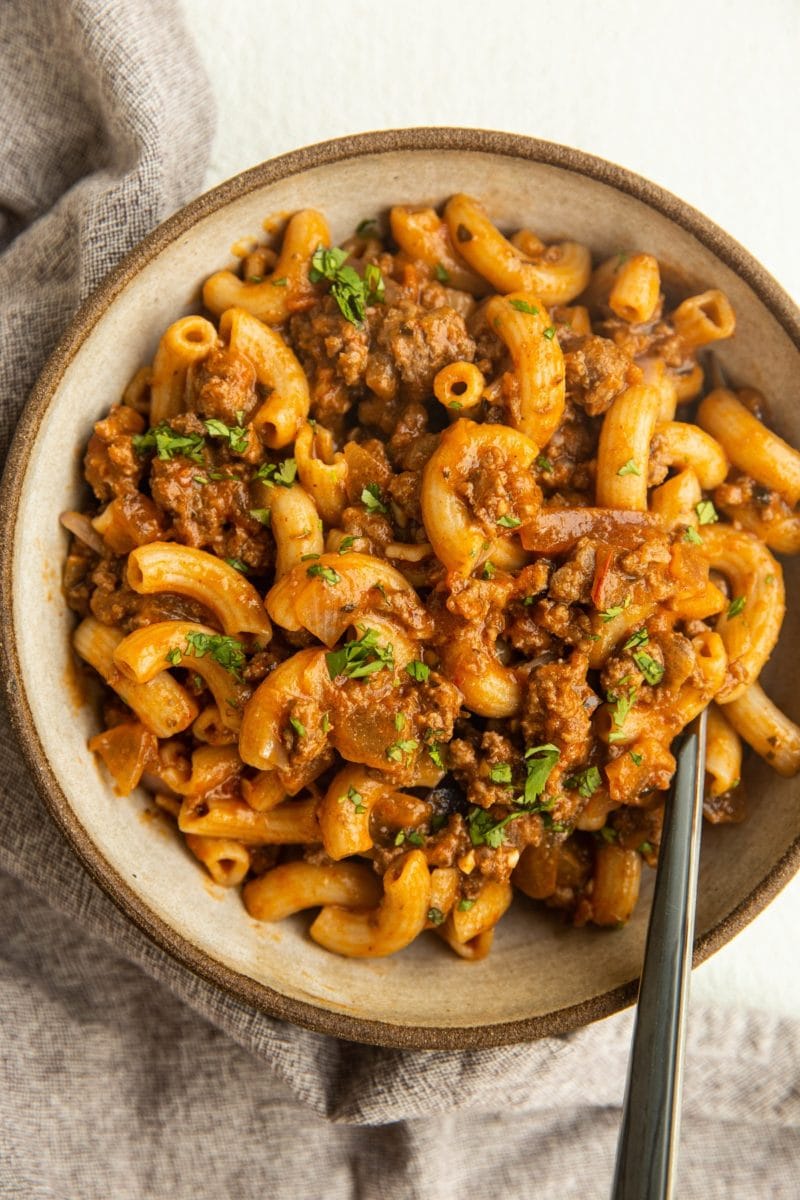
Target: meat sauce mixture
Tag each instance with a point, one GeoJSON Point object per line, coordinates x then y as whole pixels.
{"type": "Point", "coordinates": [528, 798]}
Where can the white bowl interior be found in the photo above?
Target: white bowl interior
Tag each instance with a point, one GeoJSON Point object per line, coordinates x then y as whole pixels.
{"type": "Point", "coordinates": [537, 964]}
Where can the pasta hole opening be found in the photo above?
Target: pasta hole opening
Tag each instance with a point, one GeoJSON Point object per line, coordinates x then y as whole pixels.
{"type": "Point", "coordinates": [458, 388]}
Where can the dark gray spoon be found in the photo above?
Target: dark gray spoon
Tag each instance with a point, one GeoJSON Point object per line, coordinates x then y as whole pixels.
{"type": "Point", "coordinates": [647, 1149]}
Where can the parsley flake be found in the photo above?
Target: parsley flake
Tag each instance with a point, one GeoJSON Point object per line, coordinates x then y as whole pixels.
{"type": "Point", "coordinates": [327, 573]}
{"type": "Point", "coordinates": [397, 751]}
{"type": "Point", "coordinates": [418, 670]}
{"type": "Point", "coordinates": [485, 831]}
{"type": "Point", "coordinates": [371, 499]}
{"type": "Point", "coordinates": [489, 570]}
{"type": "Point", "coordinates": [355, 798]}
{"type": "Point", "coordinates": [360, 657]}
{"type": "Point", "coordinates": [500, 773]}
{"type": "Point", "coordinates": [587, 782]}
{"type": "Point", "coordinates": [280, 476]}
{"type": "Point", "coordinates": [235, 435]}
{"type": "Point", "coordinates": [629, 468]}
{"type": "Point", "coordinates": [442, 274]}
{"type": "Point", "coordinates": [637, 758]}
{"type": "Point", "coordinates": [549, 333]}
{"type": "Point", "coordinates": [650, 668]}
{"type": "Point", "coordinates": [435, 916]}
{"type": "Point", "coordinates": [544, 464]}
{"type": "Point", "coordinates": [263, 515]}
{"type": "Point", "coordinates": [539, 762]}
{"type": "Point", "coordinates": [640, 638]}
{"type": "Point", "coordinates": [615, 610]}
{"type": "Point", "coordinates": [351, 293]}
{"type": "Point", "coordinates": [706, 513]}
{"type": "Point", "coordinates": [525, 307]}
{"type": "Point", "coordinates": [508, 522]}
{"type": "Point", "coordinates": [298, 727]}
{"type": "Point", "coordinates": [690, 534]}
{"type": "Point", "coordinates": [736, 606]}
{"type": "Point", "coordinates": [465, 905]}
{"type": "Point", "coordinates": [227, 651]}
{"type": "Point", "coordinates": [346, 544]}
{"type": "Point", "coordinates": [168, 444]}
{"type": "Point", "coordinates": [237, 565]}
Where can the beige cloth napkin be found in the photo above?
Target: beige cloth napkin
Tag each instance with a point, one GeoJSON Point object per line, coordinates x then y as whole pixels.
{"type": "Point", "coordinates": [123, 1075]}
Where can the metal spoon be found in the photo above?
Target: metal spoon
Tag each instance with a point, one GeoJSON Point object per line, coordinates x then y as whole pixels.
{"type": "Point", "coordinates": [647, 1149]}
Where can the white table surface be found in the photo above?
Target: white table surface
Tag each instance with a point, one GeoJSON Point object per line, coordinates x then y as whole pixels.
{"type": "Point", "coordinates": [700, 97]}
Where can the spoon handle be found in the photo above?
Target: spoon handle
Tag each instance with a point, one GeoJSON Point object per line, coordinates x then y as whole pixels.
{"type": "Point", "coordinates": [648, 1142]}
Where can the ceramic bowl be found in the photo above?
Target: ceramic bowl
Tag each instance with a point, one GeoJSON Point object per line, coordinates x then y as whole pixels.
{"type": "Point", "coordinates": [542, 977]}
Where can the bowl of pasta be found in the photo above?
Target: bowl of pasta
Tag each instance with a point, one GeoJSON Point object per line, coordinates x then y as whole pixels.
{"type": "Point", "coordinates": [384, 522]}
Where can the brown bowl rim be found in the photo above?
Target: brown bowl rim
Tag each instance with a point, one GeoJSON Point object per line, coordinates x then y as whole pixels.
{"type": "Point", "coordinates": [241, 987]}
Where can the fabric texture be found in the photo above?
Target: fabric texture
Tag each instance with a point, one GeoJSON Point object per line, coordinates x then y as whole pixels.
{"type": "Point", "coordinates": [123, 1075]}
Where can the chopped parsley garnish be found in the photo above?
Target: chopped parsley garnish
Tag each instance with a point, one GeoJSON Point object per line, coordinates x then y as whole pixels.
{"type": "Point", "coordinates": [360, 657]}
{"type": "Point", "coordinates": [237, 565]}
{"type": "Point", "coordinates": [442, 274]}
{"type": "Point", "coordinates": [308, 557]}
{"type": "Point", "coordinates": [280, 476]}
{"type": "Point", "coordinates": [706, 513]}
{"type": "Point", "coordinates": [346, 544]}
{"type": "Point", "coordinates": [524, 306]}
{"type": "Point", "coordinates": [325, 723]}
{"type": "Point", "coordinates": [456, 405]}
{"type": "Point", "coordinates": [399, 722]}
{"type": "Point", "coordinates": [629, 468]}
{"type": "Point", "coordinates": [227, 651]}
{"type": "Point", "coordinates": [261, 514]}
{"type": "Point", "coordinates": [371, 499]}
{"type": "Point", "coordinates": [280, 282]}
{"type": "Point", "coordinates": [645, 848]}
{"type": "Point", "coordinates": [587, 782]}
{"type": "Point", "coordinates": [640, 638]}
{"type": "Point", "coordinates": [539, 762]}
{"type": "Point", "coordinates": [366, 227]}
{"type": "Point", "coordinates": [769, 579]}
{"type": "Point", "coordinates": [485, 831]}
{"type": "Point", "coordinates": [690, 534]}
{"type": "Point", "coordinates": [736, 606]}
{"type": "Point", "coordinates": [418, 670]}
{"type": "Point", "coordinates": [465, 905]}
{"type": "Point", "coordinates": [168, 444]}
{"type": "Point", "coordinates": [637, 758]}
{"type": "Point", "coordinates": [298, 727]}
{"type": "Point", "coordinates": [489, 570]}
{"type": "Point", "coordinates": [351, 293]}
{"type": "Point", "coordinates": [608, 834]}
{"type": "Point", "coordinates": [508, 522]}
{"type": "Point", "coordinates": [615, 610]}
{"type": "Point", "coordinates": [397, 751]}
{"type": "Point", "coordinates": [235, 435]}
{"type": "Point", "coordinates": [355, 798]}
{"type": "Point", "coordinates": [323, 572]}
{"type": "Point", "coordinates": [652, 670]}
{"type": "Point", "coordinates": [500, 773]}
{"type": "Point", "coordinates": [549, 333]}
{"type": "Point", "coordinates": [619, 713]}
{"type": "Point", "coordinates": [435, 755]}
{"type": "Point", "coordinates": [544, 464]}
{"type": "Point", "coordinates": [415, 837]}
{"type": "Point", "coordinates": [435, 916]}
{"type": "Point", "coordinates": [399, 838]}
{"type": "Point", "coordinates": [255, 278]}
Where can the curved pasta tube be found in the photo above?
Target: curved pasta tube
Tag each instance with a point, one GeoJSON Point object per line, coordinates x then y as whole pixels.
{"type": "Point", "coordinates": [484, 913]}
{"type": "Point", "coordinates": [343, 819]}
{"type": "Point", "coordinates": [470, 662]}
{"type": "Point", "coordinates": [266, 714]}
{"type": "Point", "coordinates": [185, 342]}
{"type": "Point", "coordinates": [683, 446]}
{"type": "Point", "coordinates": [723, 753]}
{"type": "Point", "coordinates": [751, 630]}
{"type": "Point", "coordinates": [278, 420]}
{"type": "Point", "coordinates": [144, 654]}
{"type": "Point", "coordinates": [292, 823]}
{"type": "Point", "coordinates": [630, 284]}
{"type": "Point", "coordinates": [224, 591]}
{"type": "Point", "coordinates": [702, 319]}
{"type": "Point", "coordinates": [557, 277]}
{"type": "Point", "coordinates": [326, 606]}
{"type": "Point", "coordinates": [444, 891]}
{"type": "Point", "coordinates": [536, 406]}
{"type": "Point", "coordinates": [459, 387]}
{"type": "Point", "coordinates": [749, 445]}
{"type": "Point", "coordinates": [655, 373]}
{"type": "Point", "coordinates": [615, 884]}
{"type": "Point", "coordinates": [162, 705]}
{"type": "Point", "coordinates": [458, 540]}
{"type": "Point", "coordinates": [398, 919]}
{"type": "Point", "coordinates": [675, 500]}
{"type": "Point", "coordinates": [209, 727]}
{"type": "Point", "coordinates": [288, 289]}
{"type": "Point", "coordinates": [761, 724]}
{"type": "Point", "coordinates": [688, 383]}
{"type": "Point", "coordinates": [293, 886]}
{"type": "Point", "coordinates": [210, 767]}
{"type": "Point", "coordinates": [295, 526]}
{"type": "Point", "coordinates": [322, 471]}
{"type": "Point", "coordinates": [424, 236]}
{"type": "Point", "coordinates": [711, 663]}
{"type": "Point", "coordinates": [226, 861]}
{"type": "Point", "coordinates": [264, 792]}
{"type": "Point", "coordinates": [473, 951]}
{"type": "Point", "coordinates": [623, 454]}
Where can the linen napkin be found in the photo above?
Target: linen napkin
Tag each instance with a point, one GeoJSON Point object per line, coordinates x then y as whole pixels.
{"type": "Point", "coordinates": [123, 1075]}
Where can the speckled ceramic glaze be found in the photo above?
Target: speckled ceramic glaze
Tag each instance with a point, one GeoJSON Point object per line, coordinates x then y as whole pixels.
{"type": "Point", "coordinates": [542, 977]}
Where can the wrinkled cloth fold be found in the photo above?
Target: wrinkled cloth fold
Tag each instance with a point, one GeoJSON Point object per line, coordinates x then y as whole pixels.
{"type": "Point", "coordinates": [123, 1074]}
